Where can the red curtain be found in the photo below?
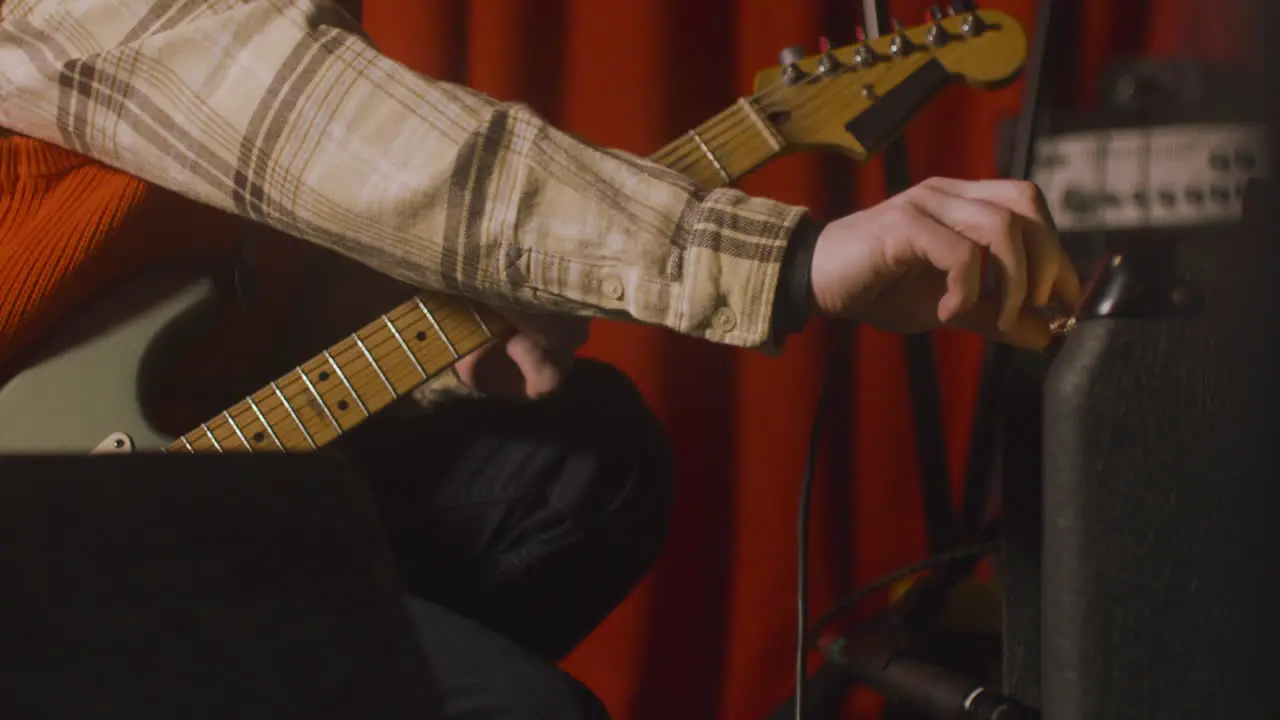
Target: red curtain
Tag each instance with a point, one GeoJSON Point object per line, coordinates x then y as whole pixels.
{"type": "Point", "coordinates": [709, 634]}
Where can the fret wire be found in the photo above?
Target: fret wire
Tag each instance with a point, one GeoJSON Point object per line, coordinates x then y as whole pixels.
{"type": "Point", "coordinates": [294, 415]}
{"type": "Point", "coordinates": [405, 346]}
{"type": "Point", "coordinates": [352, 382]}
{"type": "Point", "coordinates": [320, 399]}
{"type": "Point", "coordinates": [187, 443]}
{"type": "Point", "coordinates": [483, 325]}
{"type": "Point", "coordinates": [263, 419]}
{"type": "Point", "coordinates": [343, 377]}
{"type": "Point", "coordinates": [216, 445]}
{"type": "Point", "coordinates": [374, 364]}
{"type": "Point", "coordinates": [724, 175]}
{"type": "Point", "coordinates": [754, 113]}
{"type": "Point", "coordinates": [400, 374]}
{"type": "Point", "coordinates": [232, 422]}
{"type": "Point", "coordinates": [436, 324]}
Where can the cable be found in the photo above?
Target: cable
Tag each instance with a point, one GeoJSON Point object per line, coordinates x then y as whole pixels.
{"type": "Point", "coordinates": [804, 641]}
{"type": "Point", "coordinates": [985, 543]}
{"type": "Point", "coordinates": [850, 601]}
{"type": "Point", "coordinates": [837, 363]}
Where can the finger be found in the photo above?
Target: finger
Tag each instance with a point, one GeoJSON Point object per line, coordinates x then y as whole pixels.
{"type": "Point", "coordinates": [993, 226]}
{"type": "Point", "coordinates": [951, 253]}
{"type": "Point", "coordinates": [1051, 273]}
{"type": "Point", "coordinates": [1030, 329]}
{"type": "Point", "coordinates": [543, 369]}
{"type": "Point", "coordinates": [550, 330]}
{"type": "Point", "coordinates": [1066, 286]}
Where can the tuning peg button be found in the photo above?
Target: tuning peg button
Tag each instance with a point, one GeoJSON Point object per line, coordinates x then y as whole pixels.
{"type": "Point", "coordinates": [789, 59]}
{"type": "Point", "coordinates": [790, 55]}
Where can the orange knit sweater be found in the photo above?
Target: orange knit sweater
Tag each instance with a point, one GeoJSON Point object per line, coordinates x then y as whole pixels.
{"type": "Point", "coordinates": [71, 227]}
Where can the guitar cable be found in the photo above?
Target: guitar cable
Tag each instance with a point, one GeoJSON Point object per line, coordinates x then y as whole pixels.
{"type": "Point", "coordinates": [806, 635]}
{"type": "Point", "coordinates": [838, 361]}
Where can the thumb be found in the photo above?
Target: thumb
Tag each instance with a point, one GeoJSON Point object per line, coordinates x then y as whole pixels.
{"type": "Point", "coordinates": [542, 368]}
{"type": "Point", "coordinates": [491, 371]}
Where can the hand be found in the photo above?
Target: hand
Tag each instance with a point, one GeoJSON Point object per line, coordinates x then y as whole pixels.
{"type": "Point", "coordinates": [530, 364]}
{"type": "Point", "coordinates": [914, 262]}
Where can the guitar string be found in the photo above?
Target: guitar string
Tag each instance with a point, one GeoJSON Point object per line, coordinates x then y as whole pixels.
{"type": "Point", "coordinates": [677, 155]}
{"type": "Point", "coordinates": [363, 380]}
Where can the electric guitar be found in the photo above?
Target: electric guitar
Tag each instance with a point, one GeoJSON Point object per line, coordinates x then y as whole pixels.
{"type": "Point", "coordinates": [84, 394]}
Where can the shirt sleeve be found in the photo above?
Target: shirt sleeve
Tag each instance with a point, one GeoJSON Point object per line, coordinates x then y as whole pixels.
{"type": "Point", "coordinates": [281, 111]}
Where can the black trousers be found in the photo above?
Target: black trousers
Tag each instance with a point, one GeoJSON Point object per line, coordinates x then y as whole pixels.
{"type": "Point", "coordinates": [519, 527]}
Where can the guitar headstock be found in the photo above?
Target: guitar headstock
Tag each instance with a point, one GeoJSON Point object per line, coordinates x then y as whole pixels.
{"type": "Point", "coordinates": [856, 99]}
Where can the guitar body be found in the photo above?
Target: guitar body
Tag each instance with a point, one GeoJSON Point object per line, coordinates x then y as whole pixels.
{"type": "Point", "coordinates": [83, 392]}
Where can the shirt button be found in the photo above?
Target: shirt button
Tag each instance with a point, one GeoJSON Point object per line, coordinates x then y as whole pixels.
{"type": "Point", "coordinates": [612, 288]}
{"type": "Point", "coordinates": [723, 319]}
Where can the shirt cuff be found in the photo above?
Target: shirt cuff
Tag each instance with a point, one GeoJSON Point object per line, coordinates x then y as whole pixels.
{"type": "Point", "coordinates": [793, 301]}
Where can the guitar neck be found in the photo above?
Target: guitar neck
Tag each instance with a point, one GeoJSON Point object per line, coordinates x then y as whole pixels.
{"type": "Point", "coordinates": [335, 391]}
{"type": "Point", "coordinates": [721, 150]}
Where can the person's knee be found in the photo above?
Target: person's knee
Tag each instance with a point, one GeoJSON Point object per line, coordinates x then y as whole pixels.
{"type": "Point", "coordinates": [635, 469]}
{"type": "Point", "coordinates": [480, 673]}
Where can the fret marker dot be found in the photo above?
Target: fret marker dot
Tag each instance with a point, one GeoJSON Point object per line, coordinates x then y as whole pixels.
{"type": "Point", "coordinates": [421, 336]}
{"type": "Point", "coordinates": [342, 405]}
{"type": "Point", "coordinates": [324, 375]}
{"type": "Point", "coordinates": [258, 437]}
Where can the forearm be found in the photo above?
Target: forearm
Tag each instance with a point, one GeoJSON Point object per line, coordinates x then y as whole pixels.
{"type": "Point", "coordinates": [280, 111]}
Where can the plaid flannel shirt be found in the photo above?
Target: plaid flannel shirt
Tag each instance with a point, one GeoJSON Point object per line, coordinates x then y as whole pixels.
{"type": "Point", "coordinates": [282, 111]}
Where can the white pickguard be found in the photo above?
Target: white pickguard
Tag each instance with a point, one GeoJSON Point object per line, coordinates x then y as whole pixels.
{"type": "Point", "coordinates": [84, 394]}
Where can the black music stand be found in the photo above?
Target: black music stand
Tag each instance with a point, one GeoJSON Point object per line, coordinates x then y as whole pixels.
{"type": "Point", "coordinates": [200, 587]}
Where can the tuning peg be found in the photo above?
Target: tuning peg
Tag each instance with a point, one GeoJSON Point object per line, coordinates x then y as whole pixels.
{"type": "Point", "coordinates": [829, 62]}
{"type": "Point", "coordinates": [863, 56]}
{"type": "Point", "coordinates": [900, 45]}
{"type": "Point", "coordinates": [972, 25]}
{"type": "Point", "coordinates": [937, 36]}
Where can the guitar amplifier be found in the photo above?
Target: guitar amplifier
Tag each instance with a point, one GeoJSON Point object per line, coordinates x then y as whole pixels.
{"type": "Point", "coordinates": [1138, 569]}
{"type": "Point", "coordinates": [1161, 526]}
